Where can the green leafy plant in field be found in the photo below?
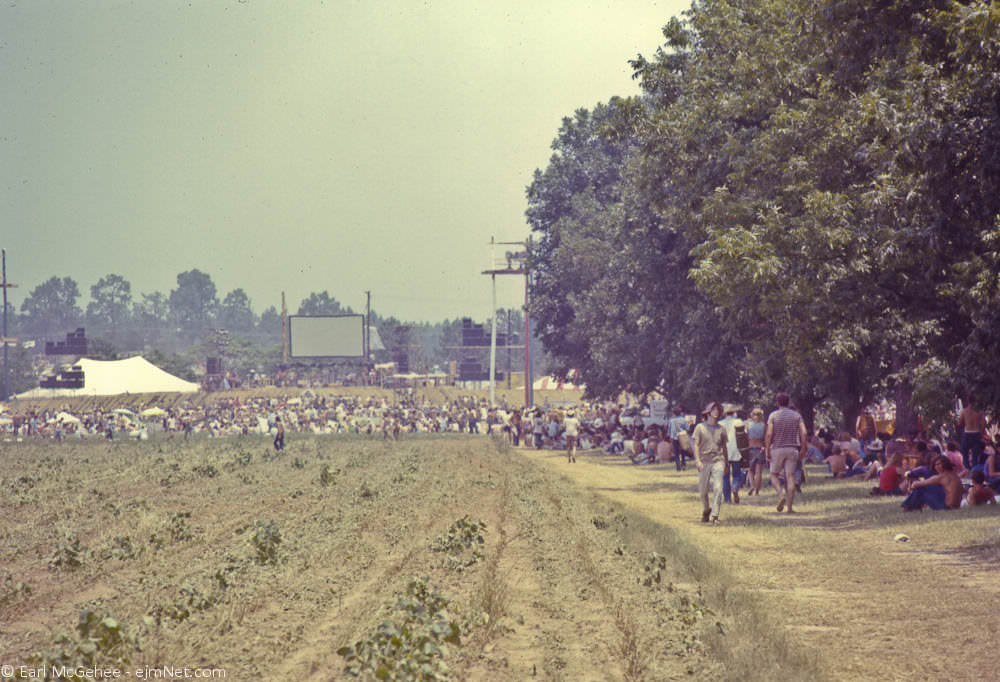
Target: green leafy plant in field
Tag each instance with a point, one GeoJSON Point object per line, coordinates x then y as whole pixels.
{"type": "Point", "coordinates": [298, 463]}
{"type": "Point", "coordinates": [191, 600]}
{"type": "Point", "coordinates": [69, 554]}
{"type": "Point", "coordinates": [411, 644]}
{"type": "Point", "coordinates": [206, 471]}
{"type": "Point", "coordinates": [122, 549]}
{"type": "Point", "coordinates": [463, 543]}
{"type": "Point", "coordinates": [178, 526]}
{"type": "Point", "coordinates": [100, 640]}
{"type": "Point", "coordinates": [328, 476]}
{"type": "Point", "coordinates": [11, 591]}
{"type": "Point", "coordinates": [654, 566]}
{"type": "Point", "coordinates": [266, 540]}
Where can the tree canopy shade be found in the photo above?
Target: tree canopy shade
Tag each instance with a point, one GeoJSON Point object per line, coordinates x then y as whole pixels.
{"type": "Point", "coordinates": [51, 307]}
{"type": "Point", "coordinates": [806, 196]}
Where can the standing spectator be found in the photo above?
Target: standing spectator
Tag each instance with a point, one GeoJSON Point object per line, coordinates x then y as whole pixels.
{"type": "Point", "coordinates": [678, 424]}
{"type": "Point", "coordinates": [709, 441]}
{"type": "Point", "coordinates": [755, 433]}
{"type": "Point", "coordinates": [538, 428]}
{"type": "Point", "coordinates": [571, 431]}
{"type": "Point", "coordinates": [279, 435]}
{"type": "Point", "coordinates": [971, 424]}
{"type": "Point", "coordinates": [734, 473]}
{"type": "Point", "coordinates": [785, 445]}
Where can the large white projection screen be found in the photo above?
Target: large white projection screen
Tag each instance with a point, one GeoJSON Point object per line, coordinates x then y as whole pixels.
{"type": "Point", "coordinates": [327, 336]}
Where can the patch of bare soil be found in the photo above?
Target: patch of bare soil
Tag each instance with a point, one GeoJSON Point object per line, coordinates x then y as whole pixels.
{"type": "Point", "coordinates": [221, 554]}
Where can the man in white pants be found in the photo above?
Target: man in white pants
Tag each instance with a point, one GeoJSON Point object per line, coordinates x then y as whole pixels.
{"type": "Point", "coordinates": [785, 444]}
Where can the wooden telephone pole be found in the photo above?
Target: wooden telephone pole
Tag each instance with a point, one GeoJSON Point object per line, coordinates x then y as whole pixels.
{"type": "Point", "coordinates": [5, 339]}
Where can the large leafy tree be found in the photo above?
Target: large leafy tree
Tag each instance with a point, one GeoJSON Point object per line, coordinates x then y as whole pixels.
{"type": "Point", "coordinates": [194, 303]}
{"type": "Point", "coordinates": [110, 304]}
{"type": "Point", "coordinates": [236, 313]}
{"type": "Point", "coordinates": [321, 303]}
{"type": "Point", "coordinates": [51, 308]}
{"type": "Point", "coordinates": [824, 173]}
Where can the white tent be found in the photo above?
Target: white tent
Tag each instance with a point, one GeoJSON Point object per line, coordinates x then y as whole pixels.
{"type": "Point", "coordinates": [113, 377]}
{"type": "Point", "coordinates": [554, 384]}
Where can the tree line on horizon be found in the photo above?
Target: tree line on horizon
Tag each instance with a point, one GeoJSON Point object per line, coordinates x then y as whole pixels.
{"type": "Point", "coordinates": [805, 196]}
{"type": "Point", "coordinates": [177, 331]}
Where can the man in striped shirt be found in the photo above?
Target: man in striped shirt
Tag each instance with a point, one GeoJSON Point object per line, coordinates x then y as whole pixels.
{"type": "Point", "coordinates": [785, 444]}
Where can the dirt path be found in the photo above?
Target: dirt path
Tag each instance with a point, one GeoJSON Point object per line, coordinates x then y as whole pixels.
{"type": "Point", "coordinates": [903, 611]}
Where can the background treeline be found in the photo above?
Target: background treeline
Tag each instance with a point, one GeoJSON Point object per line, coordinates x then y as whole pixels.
{"type": "Point", "coordinates": [179, 330]}
{"type": "Point", "coordinates": [806, 196]}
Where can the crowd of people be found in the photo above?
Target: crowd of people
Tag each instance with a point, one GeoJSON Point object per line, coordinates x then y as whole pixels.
{"type": "Point", "coordinates": [734, 450]}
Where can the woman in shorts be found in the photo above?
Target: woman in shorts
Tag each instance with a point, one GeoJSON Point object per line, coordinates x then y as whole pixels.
{"type": "Point", "coordinates": [758, 461]}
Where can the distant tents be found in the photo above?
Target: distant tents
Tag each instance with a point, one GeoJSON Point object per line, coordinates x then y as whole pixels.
{"type": "Point", "coordinates": [114, 377]}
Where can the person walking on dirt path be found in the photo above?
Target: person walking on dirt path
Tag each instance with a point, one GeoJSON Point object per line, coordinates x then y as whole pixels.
{"type": "Point", "coordinates": [785, 444]}
{"type": "Point", "coordinates": [709, 445]}
{"type": "Point", "coordinates": [734, 477]}
{"type": "Point", "coordinates": [756, 430]}
{"type": "Point", "coordinates": [571, 431]}
{"type": "Point", "coordinates": [279, 436]}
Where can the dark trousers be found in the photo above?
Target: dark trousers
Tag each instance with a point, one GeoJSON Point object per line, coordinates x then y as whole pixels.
{"type": "Point", "coordinates": [678, 455]}
{"type": "Point", "coordinates": [972, 448]}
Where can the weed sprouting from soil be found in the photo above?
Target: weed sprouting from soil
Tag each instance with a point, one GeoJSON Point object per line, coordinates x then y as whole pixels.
{"type": "Point", "coordinates": [630, 648]}
{"type": "Point", "coordinates": [463, 543]}
{"type": "Point", "coordinates": [411, 644]}
{"type": "Point", "coordinates": [100, 640]}
{"type": "Point", "coordinates": [11, 591]}
{"type": "Point", "coordinates": [69, 554]}
{"type": "Point", "coordinates": [266, 540]}
{"type": "Point", "coordinates": [328, 476]}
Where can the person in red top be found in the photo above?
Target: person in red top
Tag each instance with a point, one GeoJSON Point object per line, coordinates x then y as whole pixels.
{"type": "Point", "coordinates": [891, 476]}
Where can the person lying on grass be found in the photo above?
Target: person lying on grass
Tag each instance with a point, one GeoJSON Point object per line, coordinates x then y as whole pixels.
{"type": "Point", "coordinates": [979, 493]}
{"type": "Point", "coordinates": [944, 490]}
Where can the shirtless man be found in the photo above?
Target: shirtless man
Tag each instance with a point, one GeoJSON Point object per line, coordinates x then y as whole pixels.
{"type": "Point", "coordinates": [944, 490]}
{"type": "Point", "coordinates": [971, 425]}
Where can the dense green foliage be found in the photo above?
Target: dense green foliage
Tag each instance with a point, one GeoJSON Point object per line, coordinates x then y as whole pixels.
{"type": "Point", "coordinates": [806, 196]}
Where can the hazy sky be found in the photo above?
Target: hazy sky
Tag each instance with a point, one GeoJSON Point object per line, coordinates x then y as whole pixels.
{"type": "Point", "coordinates": [294, 146]}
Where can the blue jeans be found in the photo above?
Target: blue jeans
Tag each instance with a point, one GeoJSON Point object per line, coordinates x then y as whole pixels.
{"type": "Point", "coordinates": [678, 455]}
{"type": "Point", "coordinates": [733, 481]}
{"type": "Point", "coordinates": [932, 495]}
{"type": "Point", "coordinates": [972, 448]}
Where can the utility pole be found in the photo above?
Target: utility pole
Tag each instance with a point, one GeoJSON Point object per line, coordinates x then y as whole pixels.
{"type": "Point", "coordinates": [284, 331]}
{"type": "Point", "coordinates": [515, 265]}
{"type": "Point", "coordinates": [5, 340]}
{"type": "Point", "coordinates": [368, 331]}
{"type": "Point", "coordinates": [509, 311]}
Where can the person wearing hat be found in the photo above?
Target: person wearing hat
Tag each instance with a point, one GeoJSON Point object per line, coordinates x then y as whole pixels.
{"type": "Point", "coordinates": [571, 431]}
{"type": "Point", "coordinates": [734, 477]}
{"type": "Point", "coordinates": [755, 431]}
{"type": "Point", "coordinates": [709, 445]}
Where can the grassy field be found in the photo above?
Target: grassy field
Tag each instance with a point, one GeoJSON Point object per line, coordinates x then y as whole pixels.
{"type": "Point", "coordinates": [459, 557]}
